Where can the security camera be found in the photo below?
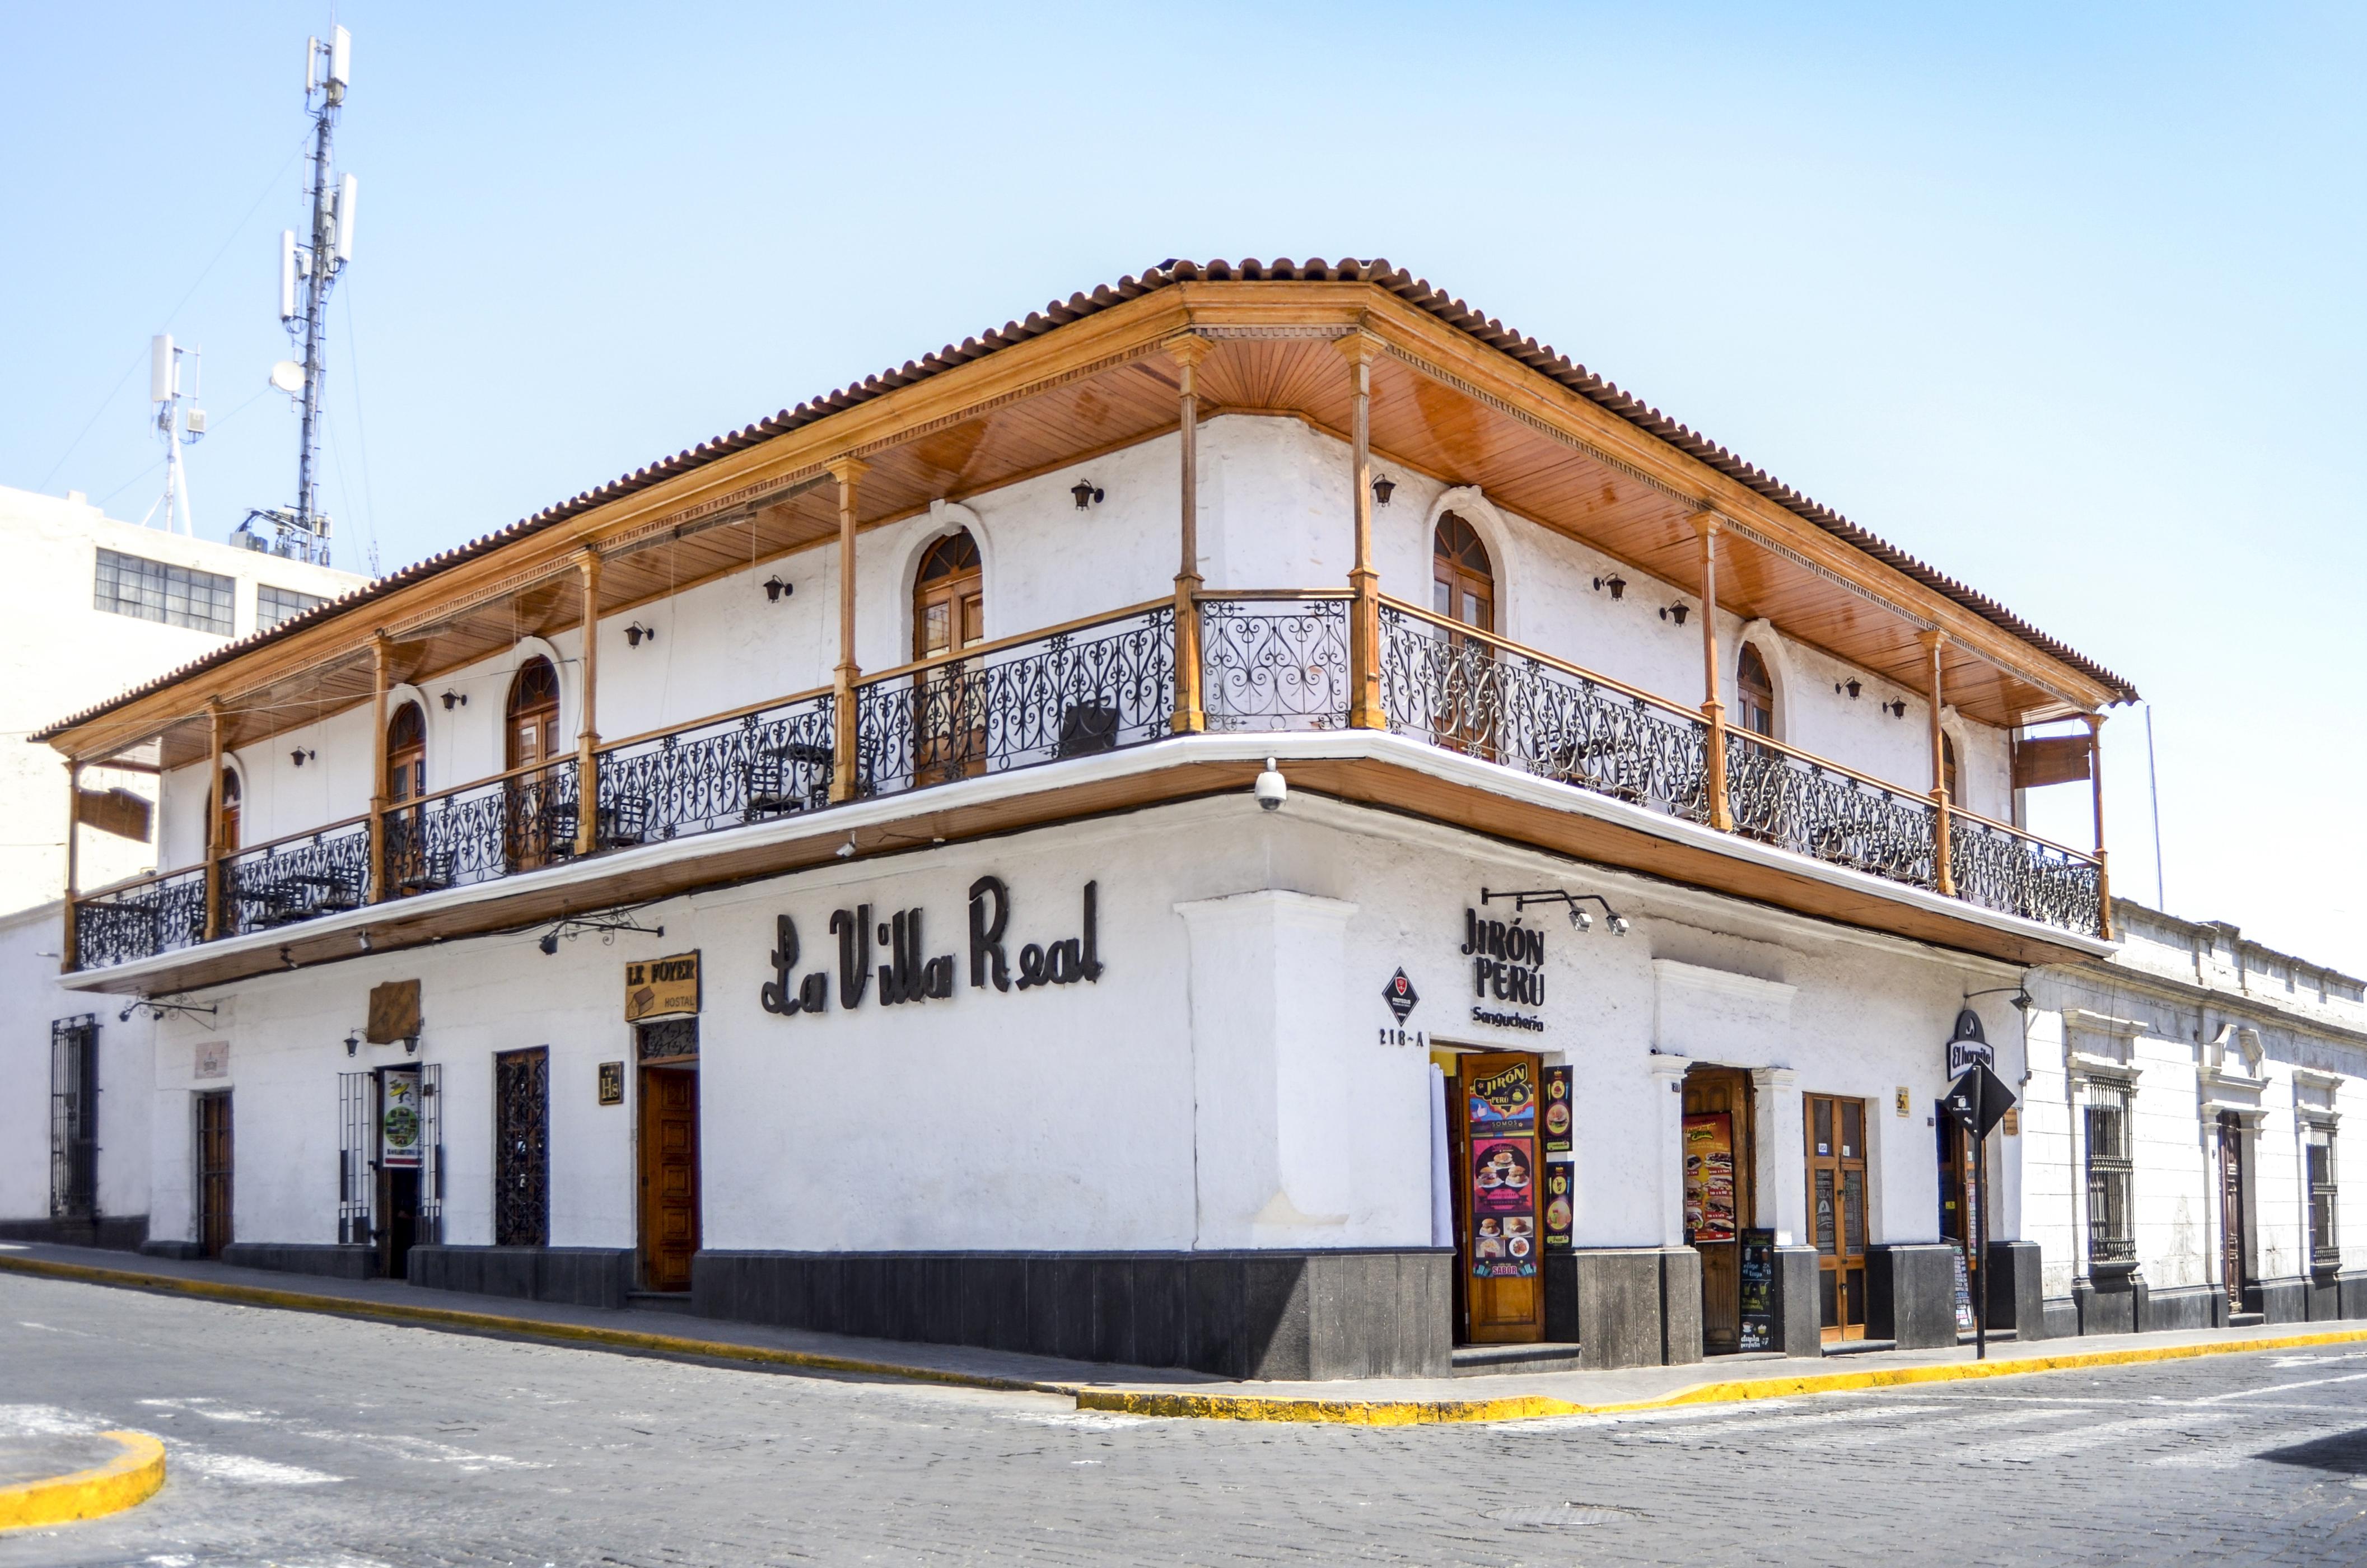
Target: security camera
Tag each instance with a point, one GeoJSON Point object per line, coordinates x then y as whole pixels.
{"type": "Point", "coordinates": [1272, 787]}
{"type": "Point", "coordinates": [1580, 918]}
{"type": "Point", "coordinates": [1619, 925]}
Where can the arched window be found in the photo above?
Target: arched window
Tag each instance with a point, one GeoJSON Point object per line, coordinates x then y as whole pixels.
{"type": "Point", "coordinates": [406, 755]}
{"type": "Point", "coordinates": [229, 812]}
{"type": "Point", "coordinates": [533, 714]}
{"type": "Point", "coordinates": [1948, 768]}
{"type": "Point", "coordinates": [948, 603]}
{"type": "Point", "coordinates": [1463, 582]}
{"type": "Point", "coordinates": [1754, 693]}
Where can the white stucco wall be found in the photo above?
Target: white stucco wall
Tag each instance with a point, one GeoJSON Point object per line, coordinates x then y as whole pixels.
{"type": "Point", "coordinates": [30, 1001]}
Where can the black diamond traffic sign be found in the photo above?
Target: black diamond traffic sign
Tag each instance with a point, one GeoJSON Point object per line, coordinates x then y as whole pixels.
{"type": "Point", "coordinates": [1399, 995]}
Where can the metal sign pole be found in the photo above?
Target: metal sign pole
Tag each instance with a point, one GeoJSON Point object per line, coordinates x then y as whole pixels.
{"type": "Point", "coordinates": [1976, 1227]}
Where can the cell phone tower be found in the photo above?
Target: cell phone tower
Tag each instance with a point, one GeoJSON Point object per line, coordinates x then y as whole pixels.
{"type": "Point", "coordinates": [307, 270]}
{"type": "Point", "coordinates": [167, 390]}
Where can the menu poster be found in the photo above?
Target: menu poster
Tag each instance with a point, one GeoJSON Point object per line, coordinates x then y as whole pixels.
{"type": "Point", "coordinates": [1504, 1209]}
{"type": "Point", "coordinates": [399, 1127]}
{"type": "Point", "coordinates": [1558, 1113]}
{"type": "Point", "coordinates": [1561, 1207]}
{"type": "Point", "coordinates": [1758, 1291]}
{"type": "Point", "coordinates": [1709, 1178]}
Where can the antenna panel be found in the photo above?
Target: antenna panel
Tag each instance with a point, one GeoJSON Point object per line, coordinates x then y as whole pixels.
{"type": "Point", "coordinates": [160, 368]}
{"type": "Point", "coordinates": [286, 273]}
{"type": "Point", "coordinates": [311, 66]}
{"type": "Point", "coordinates": [345, 194]}
{"type": "Point", "coordinates": [341, 57]}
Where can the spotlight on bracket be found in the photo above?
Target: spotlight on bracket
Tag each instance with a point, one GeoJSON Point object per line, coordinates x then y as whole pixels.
{"type": "Point", "coordinates": [607, 926]}
{"type": "Point", "coordinates": [1579, 918]}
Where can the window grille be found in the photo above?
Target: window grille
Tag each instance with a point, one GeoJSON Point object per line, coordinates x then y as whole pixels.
{"type": "Point", "coordinates": [431, 1154]}
{"type": "Point", "coordinates": [273, 605]}
{"type": "Point", "coordinates": [153, 590]}
{"type": "Point", "coordinates": [73, 1117]}
{"type": "Point", "coordinates": [2325, 1250]}
{"type": "Point", "coordinates": [522, 1148]}
{"type": "Point", "coordinates": [2110, 1237]}
{"type": "Point", "coordinates": [356, 1156]}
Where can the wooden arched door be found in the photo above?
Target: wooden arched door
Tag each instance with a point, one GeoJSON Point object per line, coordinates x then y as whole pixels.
{"type": "Point", "coordinates": [229, 812]}
{"type": "Point", "coordinates": [1467, 706]}
{"type": "Point", "coordinates": [536, 821]}
{"type": "Point", "coordinates": [1754, 694]}
{"type": "Point", "coordinates": [1948, 769]}
{"type": "Point", "coordinates": [406, 780]}
{"type": "Point", "coordinates": [948, 700]}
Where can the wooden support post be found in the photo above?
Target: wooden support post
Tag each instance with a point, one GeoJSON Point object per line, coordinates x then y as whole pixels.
{"type": "Point", "coordinates": [1943, 874]}
{"type": "Point", "coordinates": [382, 663]}
{"type": "Point", "coordinates": [1721, 809]}
{"type": "Point", "coordinates": [848, 471]}
{"type": "Point", "coordinates": [213, 818]}
{"type": "Point", "coordinates": [587, 734]}
{"type": "Point", "coordinates": [2096, 805]}
{"type": "Point", "coordinates": [1190, 715]}
{"type": "Point", "coordinates": [70, 950]}
{"type": "Point", "coordinates": [1367, 709]}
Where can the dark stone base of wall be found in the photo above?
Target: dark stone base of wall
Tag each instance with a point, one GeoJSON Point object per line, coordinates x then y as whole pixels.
{"type": "Point", "coordinates": [2322, 1295]}
{"type": "Point", "coordinates": [2279, 1300]}
{"type": "Point", "coordinates": [1561, 1298]}
{"type": "Point", "coordinates": [333, 1261]}
{"type": "Point", "coordinates": [579, 1277]}
{"type": "Point", "coordinates": [1910, 1290]}
{"type": "Point", "coordinates": [1639, 1306]}
{"type": "Point", "coordinates": [2017, 1299]}
{"type": "Point", "coordinates": [2189, 1306]}
{"type": "Point", "coordinates": [2062, 1318]}
{"type": "Point", "coordinates": [2350, 1295]}
{"type": "Point", "coordinates": [2108, 1303]}
{"type": "Point", "coordinates": [184, 1251]}
{"type": "Point", "coordinates": [115, 1232]}
{"type": "Point", "coordinates": [1799, 1321]}
{"type": "Point", "coordinates": [1267, 1315]}
{"type": "Point", "coordinates": [1681, 1306]}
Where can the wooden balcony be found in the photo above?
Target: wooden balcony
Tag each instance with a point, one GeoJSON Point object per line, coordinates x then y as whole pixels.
{"type": "Point", "coordinates": [1270, 665]}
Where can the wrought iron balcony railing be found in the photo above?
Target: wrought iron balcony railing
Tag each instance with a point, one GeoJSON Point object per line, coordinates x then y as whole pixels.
{"type": "Point", "coordinates": [1270, 663]}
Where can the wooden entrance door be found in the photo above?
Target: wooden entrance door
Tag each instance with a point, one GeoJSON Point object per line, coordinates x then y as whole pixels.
{"type": "Point", "coordinates": [533, 743]}
{"type": "Point", "coordinates": [1499, 1243]}
{"type": "Point", "coordinates": [2231, 1209]}
{"type": "Point", "coordinates": [214, 1162]}
{"type": "Point", "coordinates": [669, 1174]}
{"type": "Point", "coordinates": [1719, 1198]}
{"type": "Point", "coordinates": [1836, 1212]}
{"type": "Point", "coordinates": [948, 702]}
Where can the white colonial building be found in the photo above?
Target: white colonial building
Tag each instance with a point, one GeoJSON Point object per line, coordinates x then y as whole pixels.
{"type": "Point", "coordinates": [1254, 820]}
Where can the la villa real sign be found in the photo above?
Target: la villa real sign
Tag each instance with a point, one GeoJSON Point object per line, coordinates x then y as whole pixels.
{"type": "Point", "coordinates": [893, 952]}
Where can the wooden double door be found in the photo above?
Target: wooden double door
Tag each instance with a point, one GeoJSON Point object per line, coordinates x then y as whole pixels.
{"type": "Point", "coordinates": [1837, 1200]}
{"type": "Point", "coordinates": [1721, 1198]}
{"type": "Point", "coordinates": [214, 1171]}
{"type": "Point", "coordinates": [669, 1173]}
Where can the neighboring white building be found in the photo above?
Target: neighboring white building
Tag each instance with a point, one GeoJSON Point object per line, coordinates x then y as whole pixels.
{"type": "Point", "coordinates": [99, 606]}
{"type": "Point", "coordinates": [935, 724]}
{"type": "Point", "coordinates": [2182, 1132]}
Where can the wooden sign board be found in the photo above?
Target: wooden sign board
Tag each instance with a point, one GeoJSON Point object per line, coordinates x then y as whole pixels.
{"type": "Point", "coordinates": [2056, 759]}
{"type": "Point", "coordinates": [662, 988]}
{"type": "Point", "coordinates": [119, 812]}
{"type": "Point", "coordinates": [393, 1012]}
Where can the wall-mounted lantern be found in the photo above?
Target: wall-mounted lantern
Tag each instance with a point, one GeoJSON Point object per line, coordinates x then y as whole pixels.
{"type": "Point", "coordinates": [636, 634]}
{"type": "Point", "coordinates": [1676, 612]}
{"type": "Point", "coordinates": [301, 755]}
{"type": "Point", "coordinates": [1850, 685]}
{"type": "Point", "coordinates": [1086, 494]}
{"type": "Point", "coordinates": [1615, 581]}
{"type": "Point", "coordinates": [1383, 488]}
{"type": "Point", "coordinates": [776, 590]}
{"type": "Point", "coordinates": [452, 700]}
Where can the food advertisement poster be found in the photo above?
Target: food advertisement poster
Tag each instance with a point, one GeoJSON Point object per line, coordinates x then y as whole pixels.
{"type": "Point", "coordinates": [1501, 1114]}
{"type": "Point", "coordinates": [399, 1123]}
{"type": "Point", "coordinates": [1558, 1112]}
{"type": "Point", "coordinates": [1709, 1178]}
{"type": "Point", "coordinates": [1561, 1208]}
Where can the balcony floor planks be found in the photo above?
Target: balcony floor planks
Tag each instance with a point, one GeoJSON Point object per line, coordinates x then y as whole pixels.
{"type": "Point", "coordinates": [1379, 782]}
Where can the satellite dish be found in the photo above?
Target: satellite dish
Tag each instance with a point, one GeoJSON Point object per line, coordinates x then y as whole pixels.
{"type": "Point", "coordinates": [287, 376]}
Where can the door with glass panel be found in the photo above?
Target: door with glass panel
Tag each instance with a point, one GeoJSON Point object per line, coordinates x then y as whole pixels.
{"type": "Point", "coordinates": [948, 700]}
{"type": "Point", "coordinates": [1836, 1212]}
{"type": "Point", "coordinates": [1463, 590]}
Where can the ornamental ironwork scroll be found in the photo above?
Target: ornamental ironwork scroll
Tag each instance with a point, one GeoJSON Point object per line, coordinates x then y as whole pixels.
{"type": "Point", "coordinates": [522, 1148]}
{"type": "Point", "coordinates": [1094, 688]}
{"type": "Point", "coordinates": [2013, 873]}
{"type": "Point", "coordinates": [482, 832]}
{"type": "Point", "coordinates": [1273, 664]}
{"type": "Point", "coordinates": [717, 775]}
{"type": "Point", "coordinates": [1822, 813]}
{"type": "Point", "coordinates": [1467, 694]}
{"type": "Point", "coordinates": [139, 921]}
{"type": "Point", "coordinates": [281, 885]}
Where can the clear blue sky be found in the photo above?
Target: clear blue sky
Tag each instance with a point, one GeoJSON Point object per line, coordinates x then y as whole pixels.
{"type": "Point", "coordinates": [2065, 300]}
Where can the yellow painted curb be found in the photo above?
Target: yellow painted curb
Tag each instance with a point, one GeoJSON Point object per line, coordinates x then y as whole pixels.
{"type": "Point", "coordinates": [495, 1323]}
{"type": "Point", "coordinates": [131, 1476]}
{"type": "Point", "coordinates": [1525, 1407]}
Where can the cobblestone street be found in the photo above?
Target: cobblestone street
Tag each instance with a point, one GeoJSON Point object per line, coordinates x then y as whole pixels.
{"type": "Point", "coordinates": [309, 1441]}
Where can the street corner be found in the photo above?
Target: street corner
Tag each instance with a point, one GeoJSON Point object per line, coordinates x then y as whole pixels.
{"type": "Point", "coordinates": [55, 1478]}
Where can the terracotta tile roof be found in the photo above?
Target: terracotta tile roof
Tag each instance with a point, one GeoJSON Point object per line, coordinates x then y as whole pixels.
{"type": "Point", "coordinates": [1059, 312]}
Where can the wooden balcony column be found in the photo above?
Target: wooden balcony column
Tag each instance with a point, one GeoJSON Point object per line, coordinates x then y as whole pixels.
{"type": "Point", "coordinates": [2096, 805]}
{"type": "Point", "coordinates": [1721, 809]}
{"type": "Point", "coordinates": [382, 663]}
{"type": "Point", "coordinates": [1367, 709]}
{"type": "Point", "coordinates": [70, 950]}
{"type": "Point", "coordinates": [1943, 874]}
{"type": "Point", "coordinates": [587, 734]}
{"type": "Point", "coordinates": [848, 471]}
{"type": "Point", "coordinates": [214, 726]}
{"type": "Point", "coordinates": [1190, 714]}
